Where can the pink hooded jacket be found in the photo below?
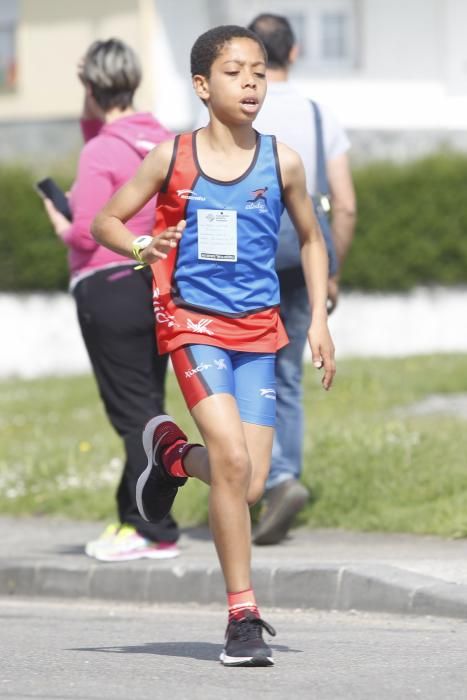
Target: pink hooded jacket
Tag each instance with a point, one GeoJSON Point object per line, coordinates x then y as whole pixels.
{"type": "Point", "coordinates": [110, 157]}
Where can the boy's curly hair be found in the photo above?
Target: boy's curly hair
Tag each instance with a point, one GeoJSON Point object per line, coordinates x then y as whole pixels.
{"type": "Point", "coordinates": [209, 45]}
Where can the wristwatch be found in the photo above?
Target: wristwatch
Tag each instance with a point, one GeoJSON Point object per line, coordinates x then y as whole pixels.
{"type": "Point", "coordinates": [139, 244]}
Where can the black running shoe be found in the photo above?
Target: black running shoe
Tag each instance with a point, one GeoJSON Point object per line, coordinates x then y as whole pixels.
{"type": "Point", "coordinates": [244, 644]}
{"type": "Point", "coordinates": [156, 488]}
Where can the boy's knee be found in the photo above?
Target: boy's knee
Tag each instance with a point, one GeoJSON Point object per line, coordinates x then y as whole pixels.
{"type": "Point", "coordinates": [236, 469]}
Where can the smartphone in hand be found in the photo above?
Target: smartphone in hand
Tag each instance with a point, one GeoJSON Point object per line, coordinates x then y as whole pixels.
{"type": "Point", "coordinates": [49, 189]}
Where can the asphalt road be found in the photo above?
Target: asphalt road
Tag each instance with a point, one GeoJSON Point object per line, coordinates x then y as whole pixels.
{"type": "Point", "coordinates": [98, 651]}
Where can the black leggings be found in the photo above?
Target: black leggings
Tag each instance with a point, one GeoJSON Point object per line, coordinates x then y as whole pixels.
{"type": "Point", "coordinates": [117, 324]}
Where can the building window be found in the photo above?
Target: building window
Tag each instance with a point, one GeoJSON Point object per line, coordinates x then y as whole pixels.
{"type": "Point", "coordinates": [8, 27]}
{"type": "Point", "coordinates": [298, 20]}
{"type": "Point", "coordinates": [334, 36]}
{"type": "Point", "coordinates": [326, 30]}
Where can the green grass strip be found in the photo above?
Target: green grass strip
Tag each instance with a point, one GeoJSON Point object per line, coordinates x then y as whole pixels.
{"type": "Point", "coordinates": [371, 462]}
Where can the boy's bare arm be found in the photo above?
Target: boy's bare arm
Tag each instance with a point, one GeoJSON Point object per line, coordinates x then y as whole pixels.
{"type": "Point", "coordinates": [314, 258]}
{"type": "Point", "coordinates": [108, 227]}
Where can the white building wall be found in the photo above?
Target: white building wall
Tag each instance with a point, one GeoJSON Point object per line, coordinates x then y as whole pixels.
{"type": "Point", "coordinates": [411, 63]}
{"type": "Point", "coordinates": [51, 39]}
{"type": "Point", "coordinates": [177, 28]}
{"type": "Point", "coordinates": [412, 71]}
{"type": "Point", "coordinates": [454, 49]}
{"type": "Point", "coordinates": [405, 96]}
{"type": "Point", "coordinates": [401, 40]}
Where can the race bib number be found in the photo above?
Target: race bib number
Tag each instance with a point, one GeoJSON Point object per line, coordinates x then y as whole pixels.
{"type": "Point", "coordinates": [217, 235]}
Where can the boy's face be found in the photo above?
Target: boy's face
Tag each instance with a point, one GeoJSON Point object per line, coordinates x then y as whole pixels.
{"type": "Point", "coordinates": [236, 87]}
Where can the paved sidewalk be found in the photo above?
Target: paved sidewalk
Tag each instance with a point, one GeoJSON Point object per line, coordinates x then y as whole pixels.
{"type": "Point", "coordinates": [324, 569]}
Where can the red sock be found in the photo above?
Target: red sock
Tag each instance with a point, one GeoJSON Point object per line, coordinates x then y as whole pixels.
{"type": "Point", "coordinates": [240, 603]}
{"type": "Point", "coordinates": [172, 457]}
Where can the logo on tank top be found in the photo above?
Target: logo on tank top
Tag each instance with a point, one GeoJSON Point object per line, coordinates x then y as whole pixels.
{"type": "Point", "coordinates": [200, 326]}
{"type": "Point", "coordinates": [190, 194]}
{"type": "Point", "coordinates": [160, 312]}
{"type": "Point", "coordinates": [259, 200]}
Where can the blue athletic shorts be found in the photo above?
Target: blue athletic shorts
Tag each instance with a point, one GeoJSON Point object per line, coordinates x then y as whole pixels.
{"type": "Point", "coordinates": [203, 370]}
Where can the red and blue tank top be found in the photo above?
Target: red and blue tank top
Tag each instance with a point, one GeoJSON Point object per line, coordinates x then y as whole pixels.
{"type": "Point", "coordinates": [220, 287]}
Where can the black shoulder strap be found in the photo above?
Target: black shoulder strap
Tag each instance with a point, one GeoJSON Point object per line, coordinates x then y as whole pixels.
{"type": "Point", "coordinates": [321, 176]}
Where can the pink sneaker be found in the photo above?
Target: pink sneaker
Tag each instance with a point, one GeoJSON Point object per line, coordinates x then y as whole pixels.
{"type": "Point", "coordinates": [129, 545]}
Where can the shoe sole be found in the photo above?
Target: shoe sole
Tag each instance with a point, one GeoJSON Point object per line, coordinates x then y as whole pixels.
{"type": "Point", "coordinates": [133, 556]}
{"type": "Point", "coordinates": [91, 548]}
{"type": "Point", "coordinates": [274, 531]}
{"type": "Point", "coordinates": [246, 660]}
{"type": "Point", "coordinates": [148, 434]}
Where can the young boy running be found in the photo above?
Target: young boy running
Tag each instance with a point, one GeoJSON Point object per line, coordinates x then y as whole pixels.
{"type": "Point", "coordinates": [221, 193]}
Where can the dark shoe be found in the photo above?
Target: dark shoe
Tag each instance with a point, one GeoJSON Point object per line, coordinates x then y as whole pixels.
{"type": "Point", "coordinates": [244, 644]}
{"type": "Point", "coordinates": [282, 502]}
{"type": "Point", "coordinates": [156, 488]}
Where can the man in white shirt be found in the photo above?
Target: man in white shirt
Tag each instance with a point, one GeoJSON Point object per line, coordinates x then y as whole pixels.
{"type": "Point", "coordinates": [289, 115]}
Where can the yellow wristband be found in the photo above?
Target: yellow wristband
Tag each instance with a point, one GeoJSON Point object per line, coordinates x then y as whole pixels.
{"type": "Point", "coordinates": [140, 244]}
{"type": "Point", "coordinates": [138, 258]}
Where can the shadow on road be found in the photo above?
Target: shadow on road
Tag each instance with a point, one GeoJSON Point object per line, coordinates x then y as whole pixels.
{"type": "Point", "coordinates": [203, 651]}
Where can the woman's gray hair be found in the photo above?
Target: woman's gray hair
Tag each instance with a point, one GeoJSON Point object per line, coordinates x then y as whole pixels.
{"type": "Point", "coordinates": [113, 71]}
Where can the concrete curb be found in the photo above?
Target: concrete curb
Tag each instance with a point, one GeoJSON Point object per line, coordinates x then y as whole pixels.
{"type": "Point", "coordinates": [324, 586]}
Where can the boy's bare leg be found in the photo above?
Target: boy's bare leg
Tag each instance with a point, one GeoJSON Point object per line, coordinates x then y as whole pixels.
{"type": "Point", "coordinates": [259, 444]}
{"type": "Point", "coordinates": [226, 466]}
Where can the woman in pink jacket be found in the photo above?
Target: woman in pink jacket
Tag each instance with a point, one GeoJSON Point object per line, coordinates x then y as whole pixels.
{"type": "Point", "coordinates": [114, 301]}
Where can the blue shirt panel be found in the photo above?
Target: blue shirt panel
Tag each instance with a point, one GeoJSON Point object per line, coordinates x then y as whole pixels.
{"type": "Point", "coordinates": [250, 283]}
